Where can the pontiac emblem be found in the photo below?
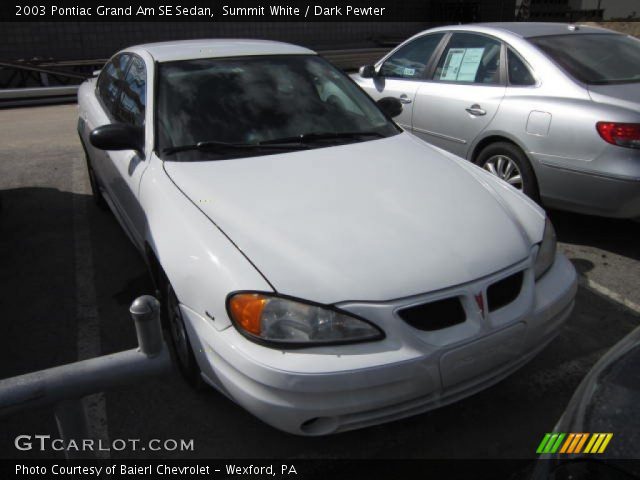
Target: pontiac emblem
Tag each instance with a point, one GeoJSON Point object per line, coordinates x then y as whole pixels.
{"type": "Point", "coordinates": [480, 302]}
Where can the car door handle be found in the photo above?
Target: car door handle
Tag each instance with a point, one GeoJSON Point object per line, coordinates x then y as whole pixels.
{"type": "Point", "coordinates": [476, 110]}
{"type": "Point", "coordinates": [405, 99]}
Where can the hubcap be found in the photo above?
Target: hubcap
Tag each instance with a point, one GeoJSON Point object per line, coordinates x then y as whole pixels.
{"type": "Point", "coordinates": [505, 169]}
{"type": "Point", "coordinates": [177, 329]}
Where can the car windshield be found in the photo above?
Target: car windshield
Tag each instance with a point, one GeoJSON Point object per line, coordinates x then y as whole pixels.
{"type": "Point", "coordinates": [596, 59]}
{"type": "Point", "coordinates": [247, 106]}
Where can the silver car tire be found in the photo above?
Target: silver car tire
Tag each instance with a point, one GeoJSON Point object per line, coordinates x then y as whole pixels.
{"type": "Point", "coordinates": [507, 162]}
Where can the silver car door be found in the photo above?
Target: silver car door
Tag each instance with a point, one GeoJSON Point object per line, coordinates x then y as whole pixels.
{"type": "Point", "coordinates": [463, 93]}
{"type": "Point", "coordinates": [400, 74]}
{"type": "Point", "coordinates": [124, 169]}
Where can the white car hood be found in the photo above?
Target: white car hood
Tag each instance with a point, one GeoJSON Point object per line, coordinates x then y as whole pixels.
{"type": "Point", "coordinates": [375, 220]}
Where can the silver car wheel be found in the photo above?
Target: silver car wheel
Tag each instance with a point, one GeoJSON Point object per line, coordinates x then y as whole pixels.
{"type": "Point", "coordinates": [505, 169]}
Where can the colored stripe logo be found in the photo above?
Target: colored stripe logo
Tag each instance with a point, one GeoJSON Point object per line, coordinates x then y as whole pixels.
{"type": "Point", "coordinates": [572, 443]}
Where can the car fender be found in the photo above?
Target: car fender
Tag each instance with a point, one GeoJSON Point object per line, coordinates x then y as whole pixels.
{"type": "Point", "coordinates": [201, 262]}
{"type": "Point", "coordinates": [522, 210]}
{"type": "Point", "coordinates": [528, 214]}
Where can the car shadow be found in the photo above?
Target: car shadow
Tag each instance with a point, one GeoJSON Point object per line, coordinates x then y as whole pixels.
{"type": "Point", "coordinates": [40, 305]}
{"type": "Point", "coordinates": [582, 265]}
{"type": "Point", "coordinates": [609, 234]}
{"type": "Point", "coordinates": [37, 279]}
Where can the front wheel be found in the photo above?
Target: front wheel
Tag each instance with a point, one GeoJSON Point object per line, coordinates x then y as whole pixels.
{"type": "Point", "coordinates": [180, 340]}
{"type": "Point", "coordinates": [510, 164]}
{"type": "Point", "coordinates": [95, 186]}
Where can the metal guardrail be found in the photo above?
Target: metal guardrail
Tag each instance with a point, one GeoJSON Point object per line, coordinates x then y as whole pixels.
{"type": "Point", "coordinates": [16, 97]}
{"type": "Point", "coordinates": [348, 60]}
{"type": "Point", "coordinates": [39, 68]}
{"type": "Point", "coordinates": [351, 60]}
{"type": "Point", "coordinates": [64, 386]}
{"type": "Point", "coordinates": [10, 93]}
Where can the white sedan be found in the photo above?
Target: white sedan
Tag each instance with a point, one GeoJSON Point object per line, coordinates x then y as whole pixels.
{"type": "Point", "coordinates": [318, 265]}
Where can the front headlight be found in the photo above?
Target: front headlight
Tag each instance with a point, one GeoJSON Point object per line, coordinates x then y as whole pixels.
{"type": "Point", "coordinates": [547, 251]}
{"type": "Point", "coordinates": [278, 321]}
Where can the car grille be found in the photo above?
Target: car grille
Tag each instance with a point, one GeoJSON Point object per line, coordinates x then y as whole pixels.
{"type": "Point", "coordinates": [444, 313]}
{"type": "Point", "coordinates": [504, 291]}
{"type": "Point", "coordinates": [434, 315]}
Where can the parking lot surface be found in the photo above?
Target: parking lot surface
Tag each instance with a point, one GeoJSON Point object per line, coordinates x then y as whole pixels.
{"type": "Point", "coordinates": [69, 273]}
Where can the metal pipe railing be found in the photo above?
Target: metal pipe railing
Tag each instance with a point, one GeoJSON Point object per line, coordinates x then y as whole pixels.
{"type": "Point", "coordinates": [64, 386]}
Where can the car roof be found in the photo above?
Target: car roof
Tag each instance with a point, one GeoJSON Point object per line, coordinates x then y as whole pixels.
{"type": "Point", "coordinates": [211, 48]}
{"type": "Point", "coordinates": [540, 29]}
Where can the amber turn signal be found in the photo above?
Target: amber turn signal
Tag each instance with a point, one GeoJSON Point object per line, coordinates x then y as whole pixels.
{"type": "Point", "coordinates": [246, 309]}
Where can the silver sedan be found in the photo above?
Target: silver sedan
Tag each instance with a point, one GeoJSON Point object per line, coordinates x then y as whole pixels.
{"type": "Point", "coordinates": [553, 109]}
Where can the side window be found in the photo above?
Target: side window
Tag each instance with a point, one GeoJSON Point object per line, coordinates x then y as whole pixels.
{"type": "Point", "coordinates": [133, 98]}
{"type": "Point", "coordinates": [519, 73]}
{"type": "Point", "coordinates": [111, 79]}
{"type": "Point", "coordinates": [470, 58]}
{"type": "Point", "coordinates": [411, 60]}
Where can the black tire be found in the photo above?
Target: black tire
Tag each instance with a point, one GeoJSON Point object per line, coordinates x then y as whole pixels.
{"type": "Point", "coordinates": [181, 346]}
{"type": "Point", "coordinates": [95, 187]}
{"type": "Point", "coordinates": [491, 154]}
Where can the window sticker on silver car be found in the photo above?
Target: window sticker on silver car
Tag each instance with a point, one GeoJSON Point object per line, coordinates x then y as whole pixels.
{"type": "Point", "coordinates": [462, 64]}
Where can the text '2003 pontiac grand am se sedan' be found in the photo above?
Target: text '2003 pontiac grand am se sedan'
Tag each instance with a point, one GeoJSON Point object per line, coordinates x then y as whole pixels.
{"type": "Point", "coordinates": [318, 265]}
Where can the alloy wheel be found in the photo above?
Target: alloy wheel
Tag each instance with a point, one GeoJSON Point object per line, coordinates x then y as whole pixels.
{"type": "Point", "coordinates": [505, 169]}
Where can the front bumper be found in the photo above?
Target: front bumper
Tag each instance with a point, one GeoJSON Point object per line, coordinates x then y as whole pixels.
{"type": "Point", "coordinates": [332, 389]}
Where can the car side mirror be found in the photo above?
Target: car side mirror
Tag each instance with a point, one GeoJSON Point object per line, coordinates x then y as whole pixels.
{"type": "Point", "coordinates": [368, 71]}
{"type": "Point", "coordinates": [118, 136]}
{"type": "Point", "coordinates": [390, 106]}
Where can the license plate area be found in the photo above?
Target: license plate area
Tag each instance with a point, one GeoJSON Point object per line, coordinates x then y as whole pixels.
{"type": "Point", "coordinates": [480, 357]}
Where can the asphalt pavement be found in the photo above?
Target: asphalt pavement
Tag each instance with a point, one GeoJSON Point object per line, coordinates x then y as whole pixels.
{"type": "Point", "coordinates": [61, 257]}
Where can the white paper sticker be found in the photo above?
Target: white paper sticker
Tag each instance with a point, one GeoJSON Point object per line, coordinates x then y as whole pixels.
{"type": "Point", "coordinates": [470, 64]}
{"type": "Point", "coordinates": [452, 64]}
{"type": "Point", "coordinates": [462, 64]}
{"type": "Point", "coordinates": [409, 72]}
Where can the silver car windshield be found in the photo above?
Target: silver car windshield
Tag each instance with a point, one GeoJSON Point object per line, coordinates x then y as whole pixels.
{"type": "Point", "coordinates": [596, 59]}
{"type": "Point", "coordinates": [247, 106]}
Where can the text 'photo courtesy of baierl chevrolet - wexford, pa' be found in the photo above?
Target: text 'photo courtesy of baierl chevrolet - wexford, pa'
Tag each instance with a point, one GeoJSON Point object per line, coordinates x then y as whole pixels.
{"type": "Point", "coordinates": [368, 239]}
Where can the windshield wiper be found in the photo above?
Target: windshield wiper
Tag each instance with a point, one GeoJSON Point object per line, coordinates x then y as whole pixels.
{"type": "Point", "coordinates": [286, 143]}
{"type": "Point", "coordinates": [313, 136]}
{"type": "Point", "coordinates": [213, 146]}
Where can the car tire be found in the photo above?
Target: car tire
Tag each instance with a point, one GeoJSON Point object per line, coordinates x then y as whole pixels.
{"type": "Point", "coordinates": [95, 186]}
{"type": "Point", "coordinates": [507, 162]}
{"type": "Point", "coordinates": [181, 346]}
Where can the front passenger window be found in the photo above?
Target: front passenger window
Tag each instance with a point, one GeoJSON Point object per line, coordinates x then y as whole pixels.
{"type": "Point", "coordinates": [411, 60]}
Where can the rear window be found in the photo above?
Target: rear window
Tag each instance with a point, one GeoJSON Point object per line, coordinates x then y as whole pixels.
{"type": "Point", "coordinates": [596, 59]}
